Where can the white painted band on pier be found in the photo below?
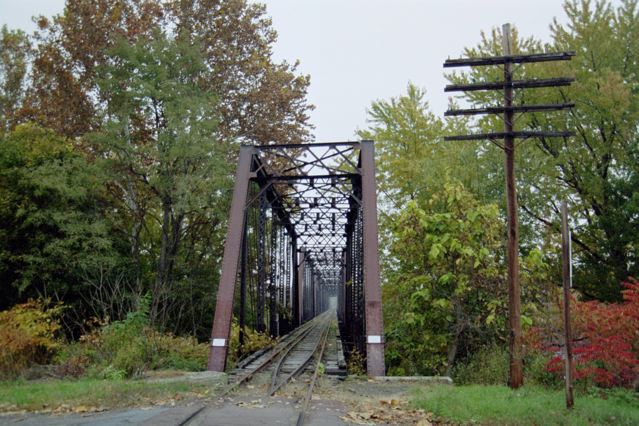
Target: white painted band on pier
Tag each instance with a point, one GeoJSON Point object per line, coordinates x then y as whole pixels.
{"type": "Point", "coordinates": [374, 339]}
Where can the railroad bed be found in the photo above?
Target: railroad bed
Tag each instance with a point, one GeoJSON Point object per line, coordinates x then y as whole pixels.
{"type": "Point", "coordinates": [311, 349]}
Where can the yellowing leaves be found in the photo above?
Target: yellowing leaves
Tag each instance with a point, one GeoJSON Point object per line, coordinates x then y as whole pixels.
{"type": "Point", "coordinates": [28, 335]}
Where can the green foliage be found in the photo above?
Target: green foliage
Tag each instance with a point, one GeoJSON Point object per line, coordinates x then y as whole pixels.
{"type": "Point", "coordinates": [536, 372]}
{"type": "Point", "coordinates": [604, 181]}
{"type": "Point", "coordinates": [321, 369]}
{"type": "Point", "coordinates": [447, 283]}
{"type": "Point", "coordinates": [413, 161]}
{"type": "Point", "coordinates": [126, 188]}
{"type": "Point", "coordinates": [15, 49]}
{"type": "Point", "coordinates": [154, 98]}
{"type": "Point", "coordinates": [130, 347]}
{"type": "Point", "coordinates": [29, 334]}
{"type": "Point", "coordinates": [51, 227]}
{"type": "Point", "coordinates": [406, 135]}
{"type": "Point", "coordinates": [487, 366]}
{"type": "Point", "coordinates": [499, 405]}
{"type": "Point", "coordinates": [124, 345]}
{"type": "Point", "coordinates": [596, 170]}
{"type": "Point", "coordinates": [162, 152]}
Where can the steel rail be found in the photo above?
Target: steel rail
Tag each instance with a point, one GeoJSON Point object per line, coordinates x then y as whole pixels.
{"type": "Point", "coordinates": [300, 332]}
{"type": "Point", "coordinates": [309, 392]}
{"type": "Point", "coordinates": [276, 371]}
{"type": "Point", "coordinates": [275, 385]}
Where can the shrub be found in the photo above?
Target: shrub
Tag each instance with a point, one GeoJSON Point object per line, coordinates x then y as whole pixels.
{"type": "Point", "coordinates": [488, 366]}
{"type": "Point", "coordinates": [356, 363]}
{"type": "Point", "coordinates": [73, 366]}
{"type": "Point", "coordinates": [129, 347]}
{"type": "Point", "coordinates": [120, 348]}
{"type": "Point", "coordinates": [28, 335]}
{"type": "Point", "coordinates": [253, 341]}
{"type": "Point", "coordinates": [175, 352]}
{"type": "Point", "coordinates": [606, 351]}
{"type": "Point", "coordinates": [536, 373]}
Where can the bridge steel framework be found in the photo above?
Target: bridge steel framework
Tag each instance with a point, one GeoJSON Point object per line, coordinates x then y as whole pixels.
{"type": "Point", "coordinates": [302, 237]}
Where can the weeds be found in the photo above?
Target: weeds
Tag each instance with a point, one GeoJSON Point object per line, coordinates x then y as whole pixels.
{"type": "Point", "coordinates": [356, 363]}
{"type": "Point", "coordinates": [129, 347]}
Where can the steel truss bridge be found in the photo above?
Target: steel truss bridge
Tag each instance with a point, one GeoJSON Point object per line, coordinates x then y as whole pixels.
{"type": "Point", "coordinates": [302, 238]}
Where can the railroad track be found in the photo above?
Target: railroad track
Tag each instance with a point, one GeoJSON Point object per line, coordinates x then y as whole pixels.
{"type": "Point", "coordinates": [289, 358]}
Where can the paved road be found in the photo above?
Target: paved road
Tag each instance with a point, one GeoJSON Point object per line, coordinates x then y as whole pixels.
{"type": "Point", "coordinates": [250, 406]}
{"type": "Point", "coordinates": [106, 418]}
{"type": "Point", "coordinates": [231, 412]}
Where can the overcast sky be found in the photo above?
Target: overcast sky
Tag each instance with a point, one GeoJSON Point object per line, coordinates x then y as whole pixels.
{"type": "Point", "coordinates": [357, 51]}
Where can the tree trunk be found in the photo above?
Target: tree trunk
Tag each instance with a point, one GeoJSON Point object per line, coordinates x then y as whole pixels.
{"type": "Point", "coordinates": [172, 251]}
{"type": "Point", "coordinates": [161, 275]}
{"type": "Point", "coordinates": [454, 344]}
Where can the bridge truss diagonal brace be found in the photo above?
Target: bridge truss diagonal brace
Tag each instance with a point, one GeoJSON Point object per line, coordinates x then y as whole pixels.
{"type": "Point", "coordinates": [299, 285]}
{"type": "Point", "coordinates": [224, 305]}
{"type": "Point", "coordinates": [372, 290]}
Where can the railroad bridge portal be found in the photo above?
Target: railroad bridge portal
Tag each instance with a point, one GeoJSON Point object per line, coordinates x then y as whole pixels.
{"type": "Point", "coordinates": [302, 236]}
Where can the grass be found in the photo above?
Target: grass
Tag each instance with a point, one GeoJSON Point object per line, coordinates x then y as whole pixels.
{"type": "Point", "coordinates": [93, 394]}
{"type": "Point", "coordinates": [499, 405]}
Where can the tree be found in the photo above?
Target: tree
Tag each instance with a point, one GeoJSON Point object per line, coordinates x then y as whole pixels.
{"type": "Point", "coordinates": [70, 48]}
{"type": "Point", "coordinates": [260, 101]}
{"type": "Point", "coordinates": [52, 231]}
{"type": "Point", "coordinates": [599, 167]}
{"type": "Point", "coordinates": [15, 50]}
{"type": "Point", "coordinates": [596, 170]}
{"type": "Point", "coordinates": [447, 283]}
{"type": "Point", "coordinates": [154, 98]}
{"type": "Point", "coordinates": [162, 140]}
{"type": "Point", "coordinates": [159, 140]}
{"type": "Point", "coordinates": [413, 159]}
{"type": "Point", "coordinates": [443, 235]}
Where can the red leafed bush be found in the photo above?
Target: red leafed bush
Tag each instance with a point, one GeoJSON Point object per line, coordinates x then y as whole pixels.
{"type": "Point", "coordinates": [606, 349]}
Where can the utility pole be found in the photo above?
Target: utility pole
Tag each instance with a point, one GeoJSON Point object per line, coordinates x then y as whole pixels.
{"type": "Point", "coordinates": [516, 376]}
{"type": "Point", "coordinates": [509, 135]}
{"type": "Point", "coordinates": [566, 273]}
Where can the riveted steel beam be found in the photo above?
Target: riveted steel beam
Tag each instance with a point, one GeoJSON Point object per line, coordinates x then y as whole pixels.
{"type": "Point", "coordinates": [224, 305]}
{"type": "Point", "coordinates": [372, 289]}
